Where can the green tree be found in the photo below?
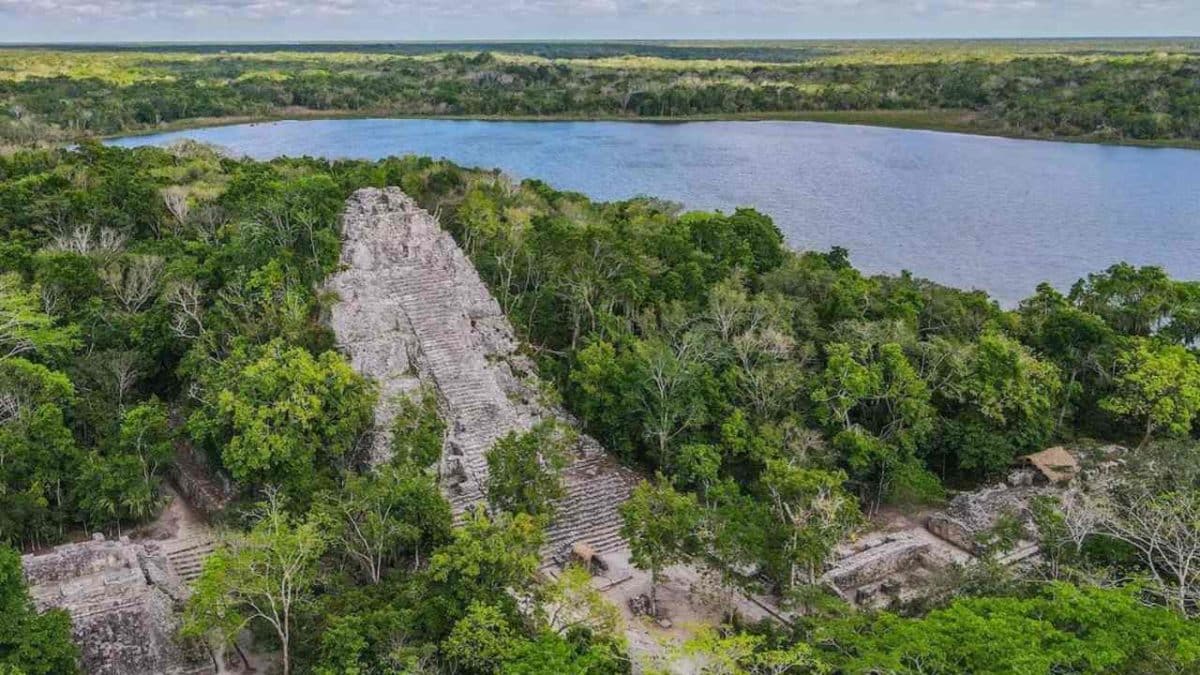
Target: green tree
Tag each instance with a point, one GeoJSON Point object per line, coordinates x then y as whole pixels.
{"type": "Point", "coordinates": [39, 457]}
{"type": "Point", "coordinates": [879, 410]}
{"type": "Point", "coordinates": [1157, 385]}
{"type": "Point", "coordinates": [670, 374]}
{"type": "Point", "coordinates": [1077, 341]}
{"type": "Point", "coordinates": [524, 469]}
{"type": "Point", "coordinates": [717, 652]}
{"type": "Point", "coordinates": [380, 518]}
{"type": "Point", "coordinates": [1062, 629]}
{"type": "Point", "coordinates": [417, 430]}
{"type": "Point", "coordinates": [123, 482]}
{"type": "Point", "coordinates": [264, 576]}
{"type": "Point", "coordinates": [31, 643]}
{"type": "Point", "coordinates": [278, 415]}
{"type": "Point", "coordinates": [551, 653]}
{"type": "Point", "coordinates": [1133, 300]}
{"type": "Point", "coordinates": [25, 329]}
{"type": "Point", "coordinates": [487, 559]}
{"type": "Point", "coordinates": [570, 604]}
{"type": "Point", "coordinates": [602, 387]}
{"type": "Point", "coordinates": [661, 526]}
{"type": "Point", "coordinates": [811, 513]}
{"type": "Point", "coordinates": [1000, 398]}
{"type": "Point", "coordinates": [481, 640]}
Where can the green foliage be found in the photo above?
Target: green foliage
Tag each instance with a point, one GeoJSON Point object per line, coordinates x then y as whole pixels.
{"type": "Point", "coordinates": [812, 513]}
{"type": "Point", "coordinates": [25, 329]}
{"type": "Point", "coordinates": [30, 643]}
{"type": "Point", "coordinates": [1136, 301]}
{"type": "Point", "coordinates": [1002, 399]}
{"type": "Point", "coordinates": [524, 469]}
{"type": "Point", "coordinates": [264, 576]}
{"type": "Point", "coordinates": [122, 483]}
{"type": "Point", "coordinates": [1078, 89]}
{"type": "Point", "coordinates": [480, 641]}
{"type": "Point", "coordinates": [1157, 385]}
{"type": "Point", "coordinates": [1063, 629]}
{"type": "Point", "coordinates": [277, 415]}
{"type": "Point", "coordinates": [776, 387]}
{"type": "Point", "coordinates": [39, 458]}
{"type": "Point", "coordinates": [551, 653]}
{"type": "Point", "coordinates": [390, 515]}
{"type": "Point", "coordinates": [714, 652]}
{"type": "Point", "coordinates": [484, 561]}
{"type": "Point", "coordinates": [417, 430]}
{"type": "Point", "coordinates": [660, 525]}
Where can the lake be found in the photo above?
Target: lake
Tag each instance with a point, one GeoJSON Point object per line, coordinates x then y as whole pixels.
{"type": "Point", "coordinates": [969, 211]}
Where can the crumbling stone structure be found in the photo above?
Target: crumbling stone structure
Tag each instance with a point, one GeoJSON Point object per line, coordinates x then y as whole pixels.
{"type": "Point", "coordinates": [970, 517]}
{"type": "Point", "coordinates": [412, 309]}
{"type": "Point", "coordinates": [123, 601]}
{"type": "Point", "coordinates": [887, 567]}
{"type": "Point", "coordinates": [893, 566]}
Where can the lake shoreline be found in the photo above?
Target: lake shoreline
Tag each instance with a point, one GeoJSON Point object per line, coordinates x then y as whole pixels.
{"type": "Point", "coordinates": [942, 121]}
{"type": "Point", "coordinates": [963, 210]}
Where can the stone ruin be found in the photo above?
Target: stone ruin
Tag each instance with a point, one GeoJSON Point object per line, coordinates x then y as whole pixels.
{"type": "Point", "coordinates": [970, 517]}
{"type": "Point", "coordinates": [886, 568]}
{"type": "Point", "coordinates": [124, 600]}
{"type": "Point", "coordinates": [895, 566]}
{"type": "Point", "coordinates": [412, 310]}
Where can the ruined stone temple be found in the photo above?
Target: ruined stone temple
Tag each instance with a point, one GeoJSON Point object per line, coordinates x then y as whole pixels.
{"type": "Point", "coordinates": [124, 599]}
{"type": "Point", "coordinates": [413, 310]}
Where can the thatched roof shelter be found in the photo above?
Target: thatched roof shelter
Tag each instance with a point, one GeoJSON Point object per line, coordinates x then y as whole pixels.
{"type": "Point", "coordinates": [1057, 464]}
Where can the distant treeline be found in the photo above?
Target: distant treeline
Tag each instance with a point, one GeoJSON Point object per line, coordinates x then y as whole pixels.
{"type": "Point", "coordinates": [1003, 88]}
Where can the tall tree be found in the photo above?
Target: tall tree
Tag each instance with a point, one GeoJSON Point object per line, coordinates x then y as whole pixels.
{"type": "Point", "coordinates": [25, 328]}
{"type": "Point", "coordinates": [278, 415]}
{"type": "Point", "coordinates": [391, 514]}
{"type": "Point", "coordinates": [661, 526]}
{"type": "Point", "coordinates": [812, 512]}
{"type": "Point", "coordinates": [264, 576]}
{"type": "Point", "coordinates": [1157, 385]}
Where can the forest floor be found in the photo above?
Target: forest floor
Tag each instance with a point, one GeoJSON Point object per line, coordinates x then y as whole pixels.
{"type": "Point", "coordinates": [178, 520]}
{"type": "Point", "coordinates": [688, 599]}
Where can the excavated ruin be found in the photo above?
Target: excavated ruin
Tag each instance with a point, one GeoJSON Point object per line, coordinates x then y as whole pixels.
{"type": "Point", "coordinates": [412, 310]}
{"type": "Point", "coordinates": [123, 598]}
{"type": "Point", "coordinates": [895, 565]}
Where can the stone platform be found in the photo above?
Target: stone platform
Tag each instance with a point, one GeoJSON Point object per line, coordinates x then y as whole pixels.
{"type": "Point", "coordinates": [124, 605]}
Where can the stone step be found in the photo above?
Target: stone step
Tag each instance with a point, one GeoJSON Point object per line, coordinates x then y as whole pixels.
{"type": "Point", "coordinates": [416, 289]}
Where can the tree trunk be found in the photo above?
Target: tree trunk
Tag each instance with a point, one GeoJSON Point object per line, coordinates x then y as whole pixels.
{"type": "Point", "coordinates": [284, 643]}
{"type": "Point", "coordinates": [654, 592]}
{"type": "Point", "coordinates": [1149, 431]}
{"type": "Point", "coordinates": [1062, 414]}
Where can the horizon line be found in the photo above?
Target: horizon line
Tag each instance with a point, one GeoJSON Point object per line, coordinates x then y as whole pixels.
{"type": "Point", "coordinates": [628, 40]}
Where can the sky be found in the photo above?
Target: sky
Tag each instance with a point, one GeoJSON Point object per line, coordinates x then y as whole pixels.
{"type": "Point", "coordinates": [365, 20]}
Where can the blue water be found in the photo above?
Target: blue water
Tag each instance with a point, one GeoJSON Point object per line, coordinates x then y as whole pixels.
{"type": "Point", "coordinates": [969, 211]}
